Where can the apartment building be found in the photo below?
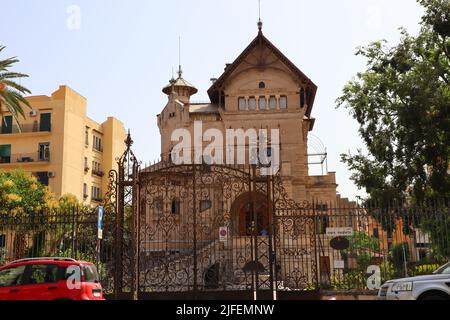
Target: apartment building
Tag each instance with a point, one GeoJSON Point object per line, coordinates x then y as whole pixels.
{"type": "Point", "coordinates": [61, 146]}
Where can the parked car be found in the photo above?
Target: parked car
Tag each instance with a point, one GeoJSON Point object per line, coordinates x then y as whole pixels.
{"type": "Point", "coordinates": [50, 279]}
{"type": "Point", "coordinates": [429, 287]}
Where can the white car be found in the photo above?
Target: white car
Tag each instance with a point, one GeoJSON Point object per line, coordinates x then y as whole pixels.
{"type": "Point", "coordinates": [431, 287]}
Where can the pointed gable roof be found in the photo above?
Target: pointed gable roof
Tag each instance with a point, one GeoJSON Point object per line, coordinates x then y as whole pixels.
{"type": "Point", "coordinates": [214, 90]}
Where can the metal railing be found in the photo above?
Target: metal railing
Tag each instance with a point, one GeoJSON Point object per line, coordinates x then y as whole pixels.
{"type": "Point", "coordinates": [25, 158]}
{"type": "Point", "coordinates": [342, 242]}
{"type": "Point", "coordinates": [24, 128]}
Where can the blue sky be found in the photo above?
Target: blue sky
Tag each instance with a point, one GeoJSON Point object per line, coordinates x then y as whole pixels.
{"type": "Point", "coordinates": [123, 53]}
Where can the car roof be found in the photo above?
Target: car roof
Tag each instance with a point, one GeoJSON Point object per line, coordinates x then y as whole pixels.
{"type": "Point", "coordinates": [57, 261]}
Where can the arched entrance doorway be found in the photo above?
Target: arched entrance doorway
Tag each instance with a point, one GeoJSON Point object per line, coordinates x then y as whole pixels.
{"type": "Point", "coordinates": [245, 222]}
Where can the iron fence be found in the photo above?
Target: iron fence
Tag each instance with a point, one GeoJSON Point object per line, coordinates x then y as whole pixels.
{"type": "Point", "coordinates": [59, 233]}
{"type": "Point", "coordinates": [319, 246]}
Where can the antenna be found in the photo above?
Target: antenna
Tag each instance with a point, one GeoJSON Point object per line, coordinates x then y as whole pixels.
{"type": "Point", "coordinates": [259, 7]}
{"type": "Point", "coordinates": [180, 72]}
{"type": "Point", "coordinates": [260, 23]}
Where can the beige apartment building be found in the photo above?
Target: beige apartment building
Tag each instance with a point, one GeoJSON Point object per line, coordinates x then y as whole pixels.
{"type": "Point", "coordinates": [59, 144]}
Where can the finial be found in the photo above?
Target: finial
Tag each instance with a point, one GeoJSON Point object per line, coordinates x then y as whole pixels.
{"type": "Point", "coordinates": [180, 72]}
{"type": "Point", "coordinates": [129, 141]}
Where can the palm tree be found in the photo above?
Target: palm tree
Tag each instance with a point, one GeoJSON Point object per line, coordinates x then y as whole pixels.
{"type": "Point", "coordinates": [11, 93]}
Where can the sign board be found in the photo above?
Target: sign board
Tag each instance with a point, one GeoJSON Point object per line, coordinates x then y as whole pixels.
{"type": "Point", "coordinates": [339, 264]}
{"type": "Point", "coordinates": [223, 234]}
{"type": "Point", "coordinates": [339, 232]}
{"type": "Point", "coordinates": [100, 223]}
{"type": "Point", "coordinates": [340, 243]}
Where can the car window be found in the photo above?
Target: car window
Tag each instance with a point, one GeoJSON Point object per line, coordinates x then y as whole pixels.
{"type": "Point", "coordinates": [71, 271]}
{"type": "Point", "coordinates": [90, 273]}
{"type": "Point", "coordinates": [443, 270]}
{"type": "Point", "coordinates": [43, 273]}
{"type": "Point", "coordinates": [12, 277]}
{"type": "Point", "coordinates": [446, 270]}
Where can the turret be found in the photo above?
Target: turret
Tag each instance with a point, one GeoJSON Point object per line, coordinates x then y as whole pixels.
{"type": "Point", "coordinates": [181, 88]}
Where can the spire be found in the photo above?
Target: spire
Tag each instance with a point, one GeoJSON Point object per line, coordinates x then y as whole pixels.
{"type": "Point", "coordinates": [180, 71]}
{"type": "Point", "coordinates": [181, 87]}
{"type": "Point", "coordinates": [260, 23]}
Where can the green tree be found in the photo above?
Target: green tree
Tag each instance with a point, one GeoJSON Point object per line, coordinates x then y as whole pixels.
{"type": "Point", "coordinates": [21, 193]}
{"type": "Point", "coordinates": [12, 93]}
{"type": "Point", "coordinates": [399, 257]}
{"type": "Point", "coordinates": [363, 248]}
{"type": "Point", "coordinates": [402, 103]}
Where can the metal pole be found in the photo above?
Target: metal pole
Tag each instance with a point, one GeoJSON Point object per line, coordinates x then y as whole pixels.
{"type": "Point", "coordinates": [404, 261]}
{"type": "Point", "coordinates": [271, 232]}
{"type": "Point", "coordinates": [255, 231]}
{"type": "Point", "coordinates": [194, 210]}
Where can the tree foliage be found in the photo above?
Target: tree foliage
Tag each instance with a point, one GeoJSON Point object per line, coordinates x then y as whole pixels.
{"type": "Point", "coordinates": [402, 104]}
{"type": "Point", "coordinates": [21, 193]}
{"type": "Point", "coordinates": [363, 247]}
{"type": "Point", "coordinates": [11, 92]}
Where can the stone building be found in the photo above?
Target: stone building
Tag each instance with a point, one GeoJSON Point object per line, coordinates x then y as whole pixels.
{"type": "Point", "coordinates": [262, 88]}
{"type": "Point", "coordinates": [185, 212]}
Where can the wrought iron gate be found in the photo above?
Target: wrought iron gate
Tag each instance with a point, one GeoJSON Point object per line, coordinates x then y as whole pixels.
{"type": "Point", "coordinates": [208, 232]}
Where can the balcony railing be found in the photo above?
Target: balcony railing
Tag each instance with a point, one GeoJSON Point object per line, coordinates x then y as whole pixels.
{"type": "Point", "coordinates": [24, 128]}
{"type": "Point", "coordinates": [98, 173]}
{"type": "Point", "coordinates": [25, 158]}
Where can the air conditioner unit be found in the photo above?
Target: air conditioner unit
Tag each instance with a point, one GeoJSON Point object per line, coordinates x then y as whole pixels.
{"type": "Point", "coordinates": [51, 175]}
{"type": "Point", "coordinates": [33, 113]}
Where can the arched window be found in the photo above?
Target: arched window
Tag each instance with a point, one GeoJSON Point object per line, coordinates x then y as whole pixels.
{"type": "Point", "coordinates": [302, 98]}
{"type": "Point", "coordinates": [252, 103]}
{"type": "Point", "coordinates": [176, 206]}
{"type": "Point", "coordinates": [262, 103]}
{"type": "Point", "coordinates": [283, 102]}
{"type": "Point", "coordinates": [242, 104]}
{"type": "Point", "coordinates": [273, 102]}
{"type": "Point", "coordinates": [262, 85]}
{"type": "Point", "coordinates": [159, 207]}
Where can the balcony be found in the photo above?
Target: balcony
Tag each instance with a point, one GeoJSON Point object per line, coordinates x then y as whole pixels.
{"type": "Point", "coordinates": [25, 158]}
{"type": "Point", "coordinates": [25, 128]}
{"type": "Point", "coordinates": [98, 173]}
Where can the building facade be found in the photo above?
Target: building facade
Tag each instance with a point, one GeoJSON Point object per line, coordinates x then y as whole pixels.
{"type": "Point", "coordinates": [59, 144]}
{"type": "Point", "coordinates": [262, 88]}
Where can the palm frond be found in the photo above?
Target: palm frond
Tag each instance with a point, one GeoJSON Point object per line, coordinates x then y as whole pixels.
{"type": "Point", "coordinates": [16, 86]}
{"type": "Point", "coordinates": [19, 98]}
{"type": "Point", "coordinates": [12, 75]}
{"type": "Point", "coordinates": [11, 95]}
{"type": "Point", "coordinates": [5, 64]}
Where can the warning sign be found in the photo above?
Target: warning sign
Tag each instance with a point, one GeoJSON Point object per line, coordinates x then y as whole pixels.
{"type": "Point", "coordinates": [223, 234]}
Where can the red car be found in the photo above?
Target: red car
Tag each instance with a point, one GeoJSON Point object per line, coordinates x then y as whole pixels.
{"type": "Point", "coordinates": [50, 279]}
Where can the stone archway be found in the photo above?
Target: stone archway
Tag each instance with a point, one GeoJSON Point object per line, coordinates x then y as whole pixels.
{"type": "Point", "coordinates": [243, 217]}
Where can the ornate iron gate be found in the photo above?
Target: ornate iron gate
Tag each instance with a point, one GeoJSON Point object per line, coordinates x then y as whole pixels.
{"type": "Point", "coordinates": [208, 232]}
